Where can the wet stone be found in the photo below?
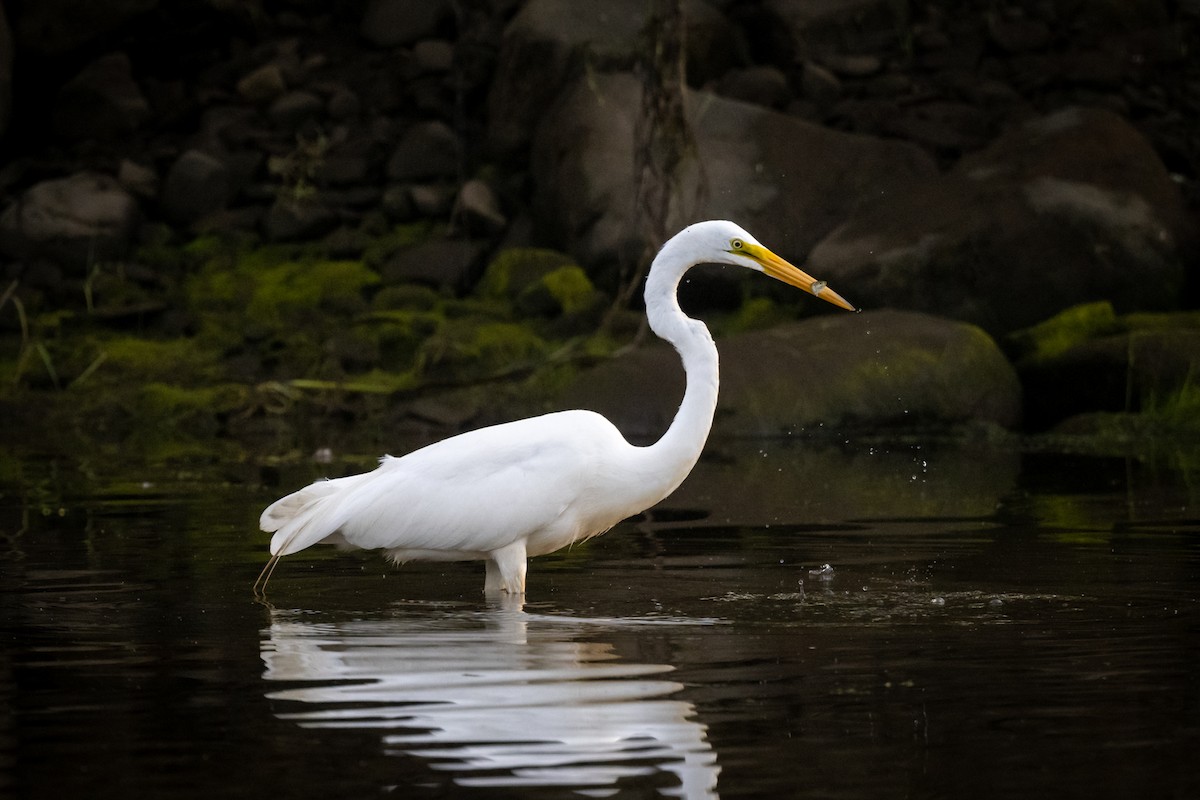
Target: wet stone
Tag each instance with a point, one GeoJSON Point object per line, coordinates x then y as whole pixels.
{"type": "Point", "coordinates": [263, 84]}
{"type": "Point", "coordinates": [197, 184]}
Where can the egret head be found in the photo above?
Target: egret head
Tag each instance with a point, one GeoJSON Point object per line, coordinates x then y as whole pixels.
{"type": "Point", "coordinates": [723, 242]}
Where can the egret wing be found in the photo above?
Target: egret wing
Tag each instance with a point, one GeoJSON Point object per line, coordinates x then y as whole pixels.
{"type": "Point", "coordinates": [469, 494]}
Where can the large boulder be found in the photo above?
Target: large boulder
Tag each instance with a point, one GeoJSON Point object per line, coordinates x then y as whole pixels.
{"type": "Point", "coordinates": [73, 220]}
{"type": "Point", "coordinates": [1065, 209]}
{"type": "Point", "coordinates": [875, 368]}
{"type": "Point", "coordinates": [551, 43]}
{"type": "Point", "coordinates": [787, 181]}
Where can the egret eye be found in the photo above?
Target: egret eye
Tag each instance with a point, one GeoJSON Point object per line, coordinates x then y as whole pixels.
{"type": "Point", "coordinates": [736, 244]}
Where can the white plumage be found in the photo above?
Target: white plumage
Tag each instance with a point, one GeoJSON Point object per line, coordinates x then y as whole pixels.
{"type": "Point", "coordinates": [530, 487]}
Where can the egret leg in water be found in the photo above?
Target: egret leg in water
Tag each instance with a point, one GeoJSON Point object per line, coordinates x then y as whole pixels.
{"type": "Point", "coordinates": [505, 493]}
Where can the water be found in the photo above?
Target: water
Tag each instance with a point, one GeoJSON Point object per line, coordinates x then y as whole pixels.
{"type": "Point", "coordinates": [876, 621]}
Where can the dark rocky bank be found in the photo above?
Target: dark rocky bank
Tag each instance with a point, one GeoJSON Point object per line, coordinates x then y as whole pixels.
{"type": "Point", "coordinates": [297, 219]}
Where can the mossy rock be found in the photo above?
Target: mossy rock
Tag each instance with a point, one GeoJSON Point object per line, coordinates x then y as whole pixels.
{"type": "Point", "coordinates": [396, 336]}
{"type": "Point", "coordinates": [406, 297]}
{"type": "Point", "coordinates": [755, 313]}
{"type": "Point", "coordinates": [565, 301]}
{"type": "Point", "coordinates": [1088, 359]}
{"type": "Point", "coordinates": [278, 309]}
{"type": "Point", "coordinates": [401, 237]}
{"type": "Point", "coordinates": [114, 361]}
{"type": "Point", "coordinates": [1065, 330]}
{"type": "Point", "coordinates": [515, 269]}
{"type": "Point", "coordinates": [272, 295]}
{"type": "Point", "coordinates": [877, 368]}
{"type": "Point", "coordinates": [470, 348]}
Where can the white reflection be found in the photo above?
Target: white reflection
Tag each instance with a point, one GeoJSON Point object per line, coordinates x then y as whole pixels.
{"type": "Point", "coordinates": [500, 698]}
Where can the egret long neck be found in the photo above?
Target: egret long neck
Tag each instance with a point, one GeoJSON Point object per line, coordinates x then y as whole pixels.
{"type": "Point", "coordinates": [672, 457]}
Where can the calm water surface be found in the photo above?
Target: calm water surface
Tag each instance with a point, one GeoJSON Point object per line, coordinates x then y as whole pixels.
{"type": "Point", "coordinates": [870, 622]}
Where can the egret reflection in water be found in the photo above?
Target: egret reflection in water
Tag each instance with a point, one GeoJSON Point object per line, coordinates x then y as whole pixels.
{"type": "Point", "coordinates": [500, 698]}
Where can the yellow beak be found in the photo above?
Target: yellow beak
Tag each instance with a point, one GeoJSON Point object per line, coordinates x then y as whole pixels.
{"type": "Point", "coordinates": [781, 270]}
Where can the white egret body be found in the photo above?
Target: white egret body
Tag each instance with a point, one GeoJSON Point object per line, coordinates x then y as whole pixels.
{"type": "Point", "coordinates": [530, 487]}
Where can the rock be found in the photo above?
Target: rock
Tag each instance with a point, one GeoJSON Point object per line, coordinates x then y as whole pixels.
{"type": "Point", "coordinates": [197, 184]}
{"type": "Point", "coordinates": [288, 221]}
{"type": "Point", "coordinates": [432, 199]}
{"type": "Point", "coordinates": [1015, 33]}
{"type": "Point", "coordinates": [397, 203]}
{"type": "Point", "coordinates": [1061, 210]}
{"type": "Point", "coordinates": [387, 23]}
{"type": "Point", "coordinates": [1088, 359]}
{"type": "Point", "coordinates": [445, 263]}
{"type": "Point", "coordinates": [870, 369]}
{"type": "Point", "coordinates": [449, 410]}
{"type": "Point", "coordinates": [822, 28]}
{"type": "Point", "coordinates": [763, 86]}
{"type": "Point", "coordinates": [343, 104]}
{"type": "Point", "coordinates": [294, 109]}
{"type": "Point", "coordinates": [101, 102]}
{"type": "Point", "coordinates": [942, 126]}
{"type": "Point", "coordinates": [477, 210]}
{"type": "Point", "coordinates": [355, 197]}
{"type": "Point", "coordinates": [74, 220]}
{"type": "Point", "coordinates": [515, 269]}
{"type": "Point", "coordinates": [227, 127]}
{"type": "Point", "coordinates": [853, 66]}
{"type": "Point", "coordinates": [787, 181]}
{"type": "Point", "coordinates": [427, 150]}
{"type": "Point", "coordinates": [820, 85]}
{"type": "Point", "coordinates": [545, 284]}
{"type": "Point", "coordinates": [433, 55]}
{"type": "Point", "coordinates": [138, 179]}
{"type": "Point", "coordinates": [56, 27]}
{"type": "Point", "coordinates": [263, 85]}
{"type": "Point", "coordinates": [343, 169]}
{"type": "Point", "coordinates": [346, 243]}
{"type": "Point", "coordinates": [550, 44]}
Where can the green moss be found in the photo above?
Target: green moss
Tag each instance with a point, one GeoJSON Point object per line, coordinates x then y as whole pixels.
{"type": "Point", "coordinates": [512, 270]}
{"type": "Point", "coordinates": [398, 238]}
{"type": "Point", "coordinates": [287, 292]}
{"type": "Point", "coordinates": [549, 382]}
{"type": "Point", "coordinates": [1154, 321]}
{"type": "Point", "coordinates": [1065, 330]}
{"type": "Point", "coordinates": [572, 289]}
{"type": "Point", "coordinates": [480, 308]}
{"type": "Point", "coordinates": [176, 360]}
{"type": "Point", "coordinates": [1177, 410]}
{"type": "Point", "coordinates": [397, 335]}
{"type": "Point", "coordinates": [470, 348]}
{"type": "Point", "coordinates": [565, 291]}
{"type": "Point", "coordinates": [406, 297]}
{"type": "Point", "coordinates": [289, 304]}
{"type": "Point", "coordinates": [754, 314]}
{"type": "Point", "coordinates": [900, 367]}
{"type": "Point", "coordinates": [164, 405]}
{"type": "Point", "coordinates": [1072, 520]}
{"type": "Point", "coordinates": [374, 382]}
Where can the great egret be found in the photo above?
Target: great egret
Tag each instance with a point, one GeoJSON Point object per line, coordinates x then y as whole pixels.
{"type": "Point", "coordinates": [530, 487]}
